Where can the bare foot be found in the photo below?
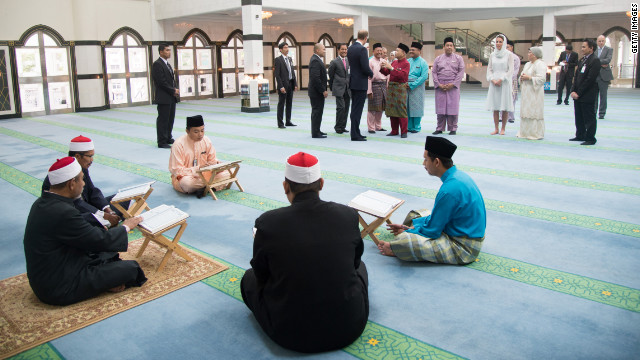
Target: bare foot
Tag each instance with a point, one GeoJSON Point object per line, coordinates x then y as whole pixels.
{"type": "Point", "coordinates": [502, 132]}
{"type": "Point", "coordinates": [117, 289]}
{"type": "Point", "coordinates": [385, 248]}
{"type": "Point", "coordinates": [495, 132]}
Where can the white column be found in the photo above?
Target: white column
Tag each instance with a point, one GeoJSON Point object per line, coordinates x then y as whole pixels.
{"type": "Point", "coordinates": [361, 22]}
{"type": "Point", "coordinates": [157, 31]}
{"type": "Point", "coordinates": [429, 46]}
{"type": "Point", "coordinates": [548, 37]}
{"type": "Point", "coordinates": [252, 36]}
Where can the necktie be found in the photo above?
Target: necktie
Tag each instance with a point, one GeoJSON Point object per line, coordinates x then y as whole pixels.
{"type": "Point", "coordinates": [344, 62]}
{"type": "Point", "coordinates": [599, 52]}
{"type": "Point", "coordinates": [567, 57]}
{"type": "Point", "coordinates": [173, 81]}
{"type": "Point", "coordinates": [286, 60]}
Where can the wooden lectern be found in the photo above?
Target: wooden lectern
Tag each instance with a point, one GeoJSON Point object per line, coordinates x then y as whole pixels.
{"type": "Point", "coordinates": [378, 205]}
{"type": "Point", "coordinates": [171, 246]}
{"type": "Point", "coordinates": [138, 204]}
{"type": "Point", "coordinates": [232, 167]}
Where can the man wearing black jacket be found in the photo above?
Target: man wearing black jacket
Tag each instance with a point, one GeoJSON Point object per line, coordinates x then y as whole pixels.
{"type": "Point", "coordinates": [567, 61]}
{"type": "Point", "coordinates": [166, 96]}
{"type": "Point", "coordinates": [317, 89]}
{"type": "Point", "coordinates": [285, 84]}
{"type": "Point", "coordinates": [307, 287]}
{"type": "Point", "coordinates": [584, 94]}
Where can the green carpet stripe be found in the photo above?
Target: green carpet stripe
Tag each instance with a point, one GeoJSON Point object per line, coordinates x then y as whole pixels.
{"type": "Point", "coordinates": [575, 285]}
{"type": "Point", "coordinates": [397, 140]}
{"type": "Point", "coordinates": [375, 340]}
{"type": "Point", "coordinates": [589, 222]}
{"type": "Point", "coordinates": [45, 351]}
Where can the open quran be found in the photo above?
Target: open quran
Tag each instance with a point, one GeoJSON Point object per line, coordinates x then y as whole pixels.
{"type": "Point", "coordinates": [374, 203]}
{"type": "Point", "coordinates": [162, 217]}
{"type": "Point", "coordinates": [219, 166]}
{"type": "Point", "coordinates": [131, 191]}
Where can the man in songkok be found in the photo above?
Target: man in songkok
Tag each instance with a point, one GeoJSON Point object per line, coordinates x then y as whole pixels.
{"type": "Point", "coordinates": [447, 71]}
{"type": "Point", "coordinates": [514, 79]}
{"type": "Point", "coordinates": [68, 259]}
{"type": "Point", "coordinates": [92, 204]}
{"type": "Point", "coordinates": [189, 153]}
{"type": "Point", "coordinates": [308, 288]}
{"type": "Point", "coordinates": [377, 91]}
{"type": "Point", "coordinates": [418, 75]}
{"type": "Point", "coordinates": [396, 106]}
{"type": "Point", "coordinates": [453, 232]}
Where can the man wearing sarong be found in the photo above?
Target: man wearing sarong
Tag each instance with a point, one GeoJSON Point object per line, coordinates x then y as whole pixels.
{"type": "Point", "coordinates": [377, 92]}
{"type": "Point", "coordinates": [307, 286]}
{"type": "Point", "coordinates": [396, 106]}
{"type": "Point", "coordinates": [418, 75]}
{"type": "Point", "coordinates": [447, 71]}
{"type": "Point", "coordinates": [92, 204]}
{"type": "Point", "coordinates": [514, 80]}
{"type": "Point", "coordinates": [68, 259]}
{"type": "Point", "coordinates": [189, 153]}
{"type": "Point", "coordinates": [454, 230]}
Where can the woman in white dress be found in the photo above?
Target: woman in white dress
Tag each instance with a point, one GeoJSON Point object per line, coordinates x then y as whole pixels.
{"type": "Point", "coordinates": [499, 75]}
{"type": "Point", "coordinates": [532, 81]}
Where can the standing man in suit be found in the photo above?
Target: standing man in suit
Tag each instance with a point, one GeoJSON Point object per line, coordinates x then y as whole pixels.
{"type": "Point", "coordinates": [359, 75]}
{"type": "Point", "coordinates": [167, 93]}
{"type": "Point", "coordinates": [285, 84]}
{"type": "Point", "coordinates": [317, 89]}
{"type": "Point", "coordinates": [585, 94]}
{"type": "Point", "coordinates": [605, 76]}
{"type": "Point", "coordinates": [567, 61]}
{"type": "Point", "coordinates": [339, 85]}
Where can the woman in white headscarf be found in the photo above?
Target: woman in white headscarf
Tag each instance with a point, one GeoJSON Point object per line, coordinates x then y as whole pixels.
{"type": "Point", "coordinates": [499, 75]}
{"type": "Point", "coordinates": [532, 81]}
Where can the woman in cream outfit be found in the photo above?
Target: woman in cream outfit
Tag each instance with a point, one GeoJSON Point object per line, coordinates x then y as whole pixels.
{"type": "Point", "coordinates": [499, 75]}
{"type": "Point", "coordinates": [532, 81]}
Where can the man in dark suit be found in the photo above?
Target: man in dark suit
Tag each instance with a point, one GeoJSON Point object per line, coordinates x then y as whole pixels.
{"type": "Point", "coordinates": [567, 62]}
{"type": "Point", "coordinates": [339, 85]}
{"type": "Point", "coordinates": [307, 287]}
{"type": "Point", "coordinates": [585, 93]}
{"type": "Point", "coordinates": [166, 97]}
{"type": "Point", "coordinates": [604, 54]}
{"type": "Point", "coordinates": [285, 84]}
{"type": "Point", "coordinates": [360, 72]}
{"type": "Point", "coordinates": [317, 89]}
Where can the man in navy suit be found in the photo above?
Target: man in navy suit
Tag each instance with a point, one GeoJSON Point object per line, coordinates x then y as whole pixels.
{"type": "Point", "coordinates": [285, 84]}
{"type": "Point", "coordinates": [317, 89]}
{"type": "Point", "coordinates": [166, 96]}
{"type": "Point", "coordinates": [567, 60]}
{"type": "Point", "coordinates": [358, 81]}
{"type": "Point", "coordinates": [585, 94]}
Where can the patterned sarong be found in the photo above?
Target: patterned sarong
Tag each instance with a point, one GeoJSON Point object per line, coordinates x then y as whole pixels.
{"type": "Point", "coordinates": [415, 101]}
{"type": "Point", "coordinates": [396, 100]}
{"type": "Point", "coordinates": [444, 250]}
{"type": "Point", "coordinates": [379, 91]}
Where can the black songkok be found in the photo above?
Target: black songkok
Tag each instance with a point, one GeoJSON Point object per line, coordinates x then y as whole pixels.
{"type": "Point", "coordinates": [416, 45]}
{"type": "Point", "coordinates": [448, 39]}
{"type": "Point", "coordinates": [403, 47]}
{"type": "Point", "coordinates": [440, 146]}
{"type": "Point", "coordinates": [376, 45]}
{"type": "Point", "coordinates": [195, 121]}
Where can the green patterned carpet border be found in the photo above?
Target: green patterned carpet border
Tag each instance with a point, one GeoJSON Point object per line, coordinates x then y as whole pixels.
{"type": "Point", "coordinates": [579, 286]}
{"type": "Point", "coordinates": [502, 138]}
{"type": "Point", "coordinates": [390, 140]}
{"type": "Point", "coordinates": [589, 222]}
{"type": "Point", "coordinates": [376, 342]}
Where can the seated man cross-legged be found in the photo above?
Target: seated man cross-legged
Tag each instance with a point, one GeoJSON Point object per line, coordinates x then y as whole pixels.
{"type": "Point", "coordinates": [307, 287]}
{"type": "Point", "coordinates": [68, 259]}
{"type": "Point", "coordinates": [189, 153]}
{"type": "Point", "coordinates": [454, 230]}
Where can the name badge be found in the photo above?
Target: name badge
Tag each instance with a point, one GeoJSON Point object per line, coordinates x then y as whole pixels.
{"type": "Point", "coordinates": [584, 67]}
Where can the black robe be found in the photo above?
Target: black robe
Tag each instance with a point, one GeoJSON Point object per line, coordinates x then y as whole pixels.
{"type": "Point", "coordinates": [57, 243]}
{"type": "Point", "coordinates": [91, 199]}
{"type": "Point", "coordinates": [308, 287]}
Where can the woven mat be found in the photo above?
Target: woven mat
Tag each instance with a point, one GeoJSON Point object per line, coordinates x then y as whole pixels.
{"type": "Point", "coordinates": [25, 322]}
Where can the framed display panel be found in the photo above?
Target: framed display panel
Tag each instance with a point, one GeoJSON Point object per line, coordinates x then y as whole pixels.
{"type": "Point", "coordinates": [196, 68]}
{"type": "Point", "coordinates": [43, 75]}
{"type": "Point", "coordinates": [232, 61]}
{"type": "Point", "coordinates": [127, 71]}
{"type": "Point", "coordinates": [7, 100]}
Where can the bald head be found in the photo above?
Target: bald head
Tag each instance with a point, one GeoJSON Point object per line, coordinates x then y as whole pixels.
{"type": "Point", "coordinates": [601, 41]}
{"type": "Point", "coordinates": [319, 49]}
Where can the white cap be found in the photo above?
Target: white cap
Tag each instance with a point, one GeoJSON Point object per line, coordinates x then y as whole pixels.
{"type": "Point", "coordinates": [302, 168]}
{"type": "Point", "coordinates": [80, 143]}
{"type": "Point", "coordinates": [64, 169]}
